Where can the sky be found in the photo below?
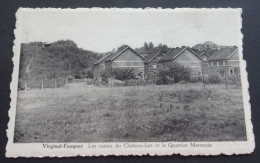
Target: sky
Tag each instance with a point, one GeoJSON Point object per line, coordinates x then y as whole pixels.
{"type": "Point", "coordinates": [101, 30]}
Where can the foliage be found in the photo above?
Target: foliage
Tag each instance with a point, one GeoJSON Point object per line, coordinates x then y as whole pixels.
{"type": "Point", "coordinates": [57, 60]}
{"type": "Point", "coordinates": [118, 74]}
{"type": "Point", "coordinates": [107, 73]}
{"type": "Point", "coordinates": [213, 78]}
{"type": "Point", "coordinates": [137, 82]}
{"type": "Point", "coordinates": [89, 73]}
{"type": "Point", "coordinates": [172, 72]}
{"type": "Point", "coordinates": [148, 49]}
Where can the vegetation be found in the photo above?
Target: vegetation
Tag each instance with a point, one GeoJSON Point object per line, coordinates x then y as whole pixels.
{"type": "Point", "coordinates": [150, 48]}
{"type": "Point", "coordinates": [118, 74]}
{"type": "Point", "coordinates": [78, 113]}
{"type": "Point", "coordinates": [55, 61]}
{"type": "Point", "coordinates": [172, 72]}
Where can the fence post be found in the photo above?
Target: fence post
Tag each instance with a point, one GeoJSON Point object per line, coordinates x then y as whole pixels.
{"type": "Point", "coordinates": [203, 80]}
{"type": "Point", "coordinates": [226, 80]}
{"type": "Point", "coordinates": [42, 85]}
{"type": "Point", "coordinates": [25, 87]}
{"type": "Point", "coordinates": [55, 84]}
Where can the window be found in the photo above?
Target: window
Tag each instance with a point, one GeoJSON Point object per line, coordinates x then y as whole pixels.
{"type": "Point", "coordinates": [154, 66]}
{"type": "Point", "coordinates": [231, 72]}
{"type": "Point", "coordinates": [211, 63]}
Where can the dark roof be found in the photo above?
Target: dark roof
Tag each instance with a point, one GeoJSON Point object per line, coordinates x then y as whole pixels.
{"type": "Point", "coordinates": [102, 58]}
{"type": "Point", "coordinates": [120, 51]}
{"type": "Point", "coordinates": [173, 53]}
{"type": "Point", "coordinates": [198, 52]}
{"type": "Point", "coordinates": [222, 54]}
{"type": "Point", "coordinates": [151, 56]}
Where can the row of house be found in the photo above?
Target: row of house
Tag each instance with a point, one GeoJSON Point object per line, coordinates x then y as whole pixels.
{"type": "Point", "coordinates": [146, 67]}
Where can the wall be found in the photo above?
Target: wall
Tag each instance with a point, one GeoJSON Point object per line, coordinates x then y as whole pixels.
{"type": "Point", "coordinates": [189, 59]}
{"type": "Point", "coordinates": [129, 59]}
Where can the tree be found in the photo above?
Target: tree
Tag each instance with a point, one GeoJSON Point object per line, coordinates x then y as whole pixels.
{"type": "Point", "coordinates": [113, 50]}
{"type": "Point", "coordinates": [151, 46]}
{"type": "Point", "coordinates": [146, 47]}
{"type": "Point", "coordinates": [121, 47]}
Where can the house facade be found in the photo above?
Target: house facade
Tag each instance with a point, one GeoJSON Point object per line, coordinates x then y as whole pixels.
{"type": "Point", "coordinates": [151, 65]}
{"type": "Point", "coordinates": [185, 56]}
{"type": "Point", "coordinates": [224, 60]}
{"type": "Point", "coordinates": [125, 57]}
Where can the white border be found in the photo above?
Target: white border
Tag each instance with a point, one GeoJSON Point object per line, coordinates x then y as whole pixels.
{"type": "Point", "coordinates": [37, 150]}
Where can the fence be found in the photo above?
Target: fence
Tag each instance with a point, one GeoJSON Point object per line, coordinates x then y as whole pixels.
{"type": "Point", "coordinates": [41, 84]}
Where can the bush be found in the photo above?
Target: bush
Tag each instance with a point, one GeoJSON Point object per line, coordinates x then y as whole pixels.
{"type": "Point", "coordinates": [106, 74]}
{"type": "Point", "coordinates": [137, 82]}
{"type": "Point", "coordinates": [194, 79]}
{"type": "Point", "coordinates": [118, 74]}
{"type": "Point", "coordinates": [117, 83]}
{"type": "Point", "coordinates": [89, 73]}
{"type": "Point", "coordinates": [172, 72]}
{"type": "Point", "coordinates": [213, 78]}
{"type": "Point", "coordinates": [69, 78]}
{"type": "Point", "coordinates": [89, 81]}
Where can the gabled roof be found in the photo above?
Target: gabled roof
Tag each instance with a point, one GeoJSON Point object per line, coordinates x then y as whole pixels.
{"type": "Point", "coordinates": [200, 53]}
{"type": "Point", "coordinates": [174, 53]}
{"type": "Point", "coordinates": [102, 58]}
{"type": "Point", "coordinates": [203, 53]}
{"type": "Point", "coordinates": [151, 56]}
{"type": "Point", "coordinates": [118, 52]}
{"type": "Point", "coordinates": [223, 54]}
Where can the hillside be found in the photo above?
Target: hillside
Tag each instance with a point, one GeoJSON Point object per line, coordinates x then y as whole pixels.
{"type": "Point", "coordinates": [57, 60]}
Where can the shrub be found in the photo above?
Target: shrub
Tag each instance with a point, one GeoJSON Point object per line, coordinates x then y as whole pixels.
{"type": "Point", "coordinates": [89, 81]}
{"type": "Point", "coordinates": [69, 78]}
{"type": "Point", "coordinates": [137, 82]}
{"type": "Point", "coordinates": [117, 83]}
{"type": "Point", "coordinates": [213, 78]}
{"type": "Point", "coordinates": [106, 74]}
{"type": "Point", "coordinates": [172, 72]}
{"type": "Point", "coordinates": [89, 73]}
{"type": "Point", "coordinates": [123, 73]}
{"type": "Point", "coordinates": [194, 79]}
{"type": "Point", "coordinates": [232, 79]}
{"type": "Point", "coordinates": [118, 74]}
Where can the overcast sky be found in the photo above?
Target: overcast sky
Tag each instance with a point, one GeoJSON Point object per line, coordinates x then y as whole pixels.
{"type": "Point", "coordinates": [103, 30]}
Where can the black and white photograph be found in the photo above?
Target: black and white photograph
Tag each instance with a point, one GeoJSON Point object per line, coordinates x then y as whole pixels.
{"type": "Point", "coordinates": [129, 81]}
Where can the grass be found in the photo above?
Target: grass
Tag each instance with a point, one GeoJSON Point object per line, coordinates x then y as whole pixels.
{"type": "Point", "coordinates": [80, 113]}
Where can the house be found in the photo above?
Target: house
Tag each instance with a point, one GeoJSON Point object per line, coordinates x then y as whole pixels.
{"type": "Point", "coordinates": [151, 65]}
{"type": "Point", "coordinates": [124, 57]}
{"type": "Point", "coordinates": [99, 66]}
{"type": "Point", "coordinates": [226, 59]}
{"type": "Point", "coordinates": [185, 56]}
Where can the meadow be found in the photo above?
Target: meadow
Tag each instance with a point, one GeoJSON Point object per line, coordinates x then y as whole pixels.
{"type": "Point", "coordinates": [82, 113]}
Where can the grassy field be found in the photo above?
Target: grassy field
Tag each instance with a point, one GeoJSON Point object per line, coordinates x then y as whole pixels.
{"type": "Point", "coordinates": [81, 113]}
